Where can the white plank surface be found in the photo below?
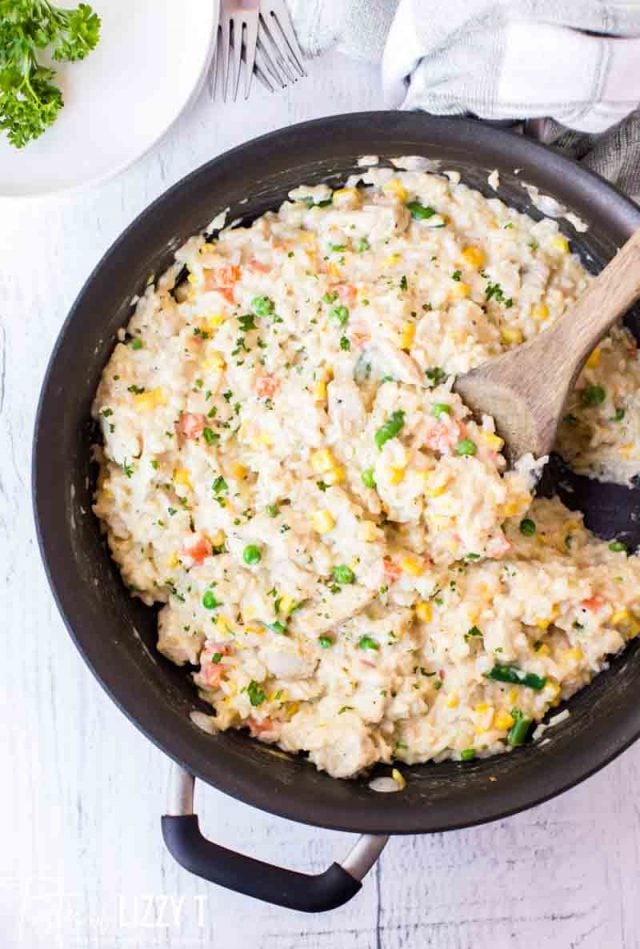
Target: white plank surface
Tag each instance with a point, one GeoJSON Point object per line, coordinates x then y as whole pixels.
{"type": "Point", "coordinates": [83, 864]}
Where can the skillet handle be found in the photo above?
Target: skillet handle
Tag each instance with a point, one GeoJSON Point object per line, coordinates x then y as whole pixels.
{"type": "Point", "coordinates": [310, 893]}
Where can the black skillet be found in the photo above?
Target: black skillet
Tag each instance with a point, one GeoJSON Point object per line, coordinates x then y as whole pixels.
{"type": "Point", "coordinates": [116, 634]}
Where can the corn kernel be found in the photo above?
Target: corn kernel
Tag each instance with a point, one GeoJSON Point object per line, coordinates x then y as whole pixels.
{"type": "Point", "coordinates": [553, 686]}
{"type": "Point", "coordinates": [511, 335]}
{"type": "Point", "coordinates": [249, 612]}
{"type": "Point", "coordinates": [482, 708]}
{"type": "Point", "coordinates": [540, 311]}
{"type": "Point", "coordinates": [407, 336]}
{"type": "Point", "coordinates": [292, 709]}
{"type": "Point", "coordinates": [368, 531]}
{"type": "Point", "coordinates": [424, 611]}
{"type": "Point", "coordinates": [173, 561]}
{"type": "Point", "coordinates": [214, 362]}
{"type": "Point", "coordinates": [334, 270]}
{"type": "Point", "coordinates": [512, 696]}
{"type": "Point", "coordinates": [620, 616]}
{"type": "Point", "coordinates": [474, 257]}
{"type": "Point", "coordinates": [633, 629]}
{"type": "Point", "coordinates": [263, 438]}
{"type": "Point", "coordinates": [515, 506]}
{"type": "Point", "coordinates": [287, 603]}
{"type": "Point", "coordinates": [573, 655]}
{"type": "Point", "coordinates": [399, 778]}
{"type": "Point", "coordinates": [217, 539]}
{"type": "Point", "coordinates": [346, 198]}
{"type": "Point", "coordinates": [322, 460]}
{"type": "Point", "coordinates": [239, 471]}
{"type": "Point", "coordinates": [335, 475]}
{"type": "Point", "coordinates": [213, 322]}
{"type": "Point", "coordinates": [626, 450]}
{"type": "Point", "coordinates": [395, 187]}
{"type": "Point", "coordinates": [594, 359]}
{"type": "Point", "coordinates": [435, 490]}
{"type": "Point", "coordinates": [459, 290]}
{"type": "Point", "coordinates": [453, 701]}
{"type": "Point", "coordinates": [491, 440]}
{"type": "Point", "coordinates": [543, 650]}
{"type": "Point", "coordinates": [560, 243]}
{"type": "Point", "coordinates": [320, 391]}
{"type": "Point", "coordinates": [503, 720]}
{"type": "Point", "coordinates": [322, 521]}
{"type": "Point", "coordinates": [181, 477]}
{"type": "Point", "coordinates": [412, 565]}
{"type": "Point", "coordinates": [391, 260]}
{"type": "Point", "coordinates": [396, 475]}
{"type": "Point", "coordinates": [223, 623]}
{"type": "Point", "coordinates": [145, 401]}
{"type": "Point", "coordinates": [192, 279]}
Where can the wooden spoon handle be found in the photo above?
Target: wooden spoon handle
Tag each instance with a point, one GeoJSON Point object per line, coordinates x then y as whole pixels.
{"type": "Point", "coordinates": [607, 298]}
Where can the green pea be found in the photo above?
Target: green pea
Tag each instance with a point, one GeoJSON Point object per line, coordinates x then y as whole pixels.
{"type": "Point", "coordinates": [440, 408]}
{"type": "Point", "coordinates": [251, 554]}
{"type": "Point", "coordinates": [325, 641]}
{"type": "Point", "coordinates": [367, 642]}
{"type": "Point", "coordinates": [262, 306]}
{"type": "Point", "coordinates": [468, 754]}
{"type": "Point", "coordinates": [618, 547]}
{"type": "Point", "coordinates": [466, 447]}
{"type": "Point", "coordinates": [343, 574]}
{"type": "Point", "coordinates": [136, 343]}
{"type": "Point", "coordinates": [527, 527]}
{"type": "Point", "coordinates": [209, 600]}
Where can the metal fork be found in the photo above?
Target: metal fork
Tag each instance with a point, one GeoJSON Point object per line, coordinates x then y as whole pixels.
{"type": "Point", "coordinates": [259, 36]}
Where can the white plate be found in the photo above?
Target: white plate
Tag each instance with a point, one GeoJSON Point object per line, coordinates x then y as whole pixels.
{"type": "Point", "coordinates": [150, 62]}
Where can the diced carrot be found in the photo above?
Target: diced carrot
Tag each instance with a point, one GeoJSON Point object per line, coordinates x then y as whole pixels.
{"type": "Point", "coordinates": [593, 603]}
{"type": "Point", "coordinates": [191, 425]}
{"type": "Point", "coordinates": [442, 436]}
{"type": "Point", "coordinates": [258, 267]}
{"type": "Point", "coordinates": [266, 385]}
{"type": "Point", "coordinates": [346, 292]}
{"type": "Point", "coordinates": [213, 672]}
{"type": "Point", "coordinates": [391, 570]}
{"type": "Point", "coordinates": [197, 548]}
{"type": "Point", "coordinates": [260, 728]}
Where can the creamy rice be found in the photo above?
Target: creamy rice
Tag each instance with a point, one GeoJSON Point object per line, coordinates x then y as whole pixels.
{"type": "Point", "coordinates": [339, 549]}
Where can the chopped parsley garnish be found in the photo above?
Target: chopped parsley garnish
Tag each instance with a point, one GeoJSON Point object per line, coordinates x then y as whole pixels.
{"type": "Point", "coordinates": [127, 468]}
{"type": "Point", "coordinates": [456, 275]}
{"type": "Point", "coordinates": [592, 395]}
{"type": "Point", "coordinates": [247, 322]}
{"type": "Point", "coordinates": [495, 292]}
{"type": "Point", "coordinates": [210, 436]}
{"type": "Point", "coordinates": [420, 212]}
{"type": "Point", "coordinates": [362, 245]}
{"type": "Point", "coordinates": [339, 314]}
{"type": "Point", "coordinates": [255, 693]}
{"type": "Point", "coordinates": [473, 633]}
{"type": "Point", "coordinates": [345, 344]}
{"type": "Point", "coordinates": [403, 283]}
{"type": "Point", "coordinates": [137, 390]}
{"type": "Point", "coordinates": [516, 676]}
{"type": "Point", "coordinates": [435, 376]}
{"type": "Point", "coordinates": [219, 485]}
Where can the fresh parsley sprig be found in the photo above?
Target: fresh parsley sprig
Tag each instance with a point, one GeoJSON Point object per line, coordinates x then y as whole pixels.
{"type": "Point", "coordinates": [29, 99]}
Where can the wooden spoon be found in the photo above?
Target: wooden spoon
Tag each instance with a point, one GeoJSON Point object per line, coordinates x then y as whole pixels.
{"type": "Point", "coordinates": [525, 390]}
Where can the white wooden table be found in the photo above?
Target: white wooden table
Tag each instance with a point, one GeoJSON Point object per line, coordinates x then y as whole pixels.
{"type": "Point", "coordinates": [83, 864]}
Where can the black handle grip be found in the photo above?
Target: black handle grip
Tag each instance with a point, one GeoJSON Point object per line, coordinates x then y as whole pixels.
{"type": "Point", "coordinates": [302, 891]}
